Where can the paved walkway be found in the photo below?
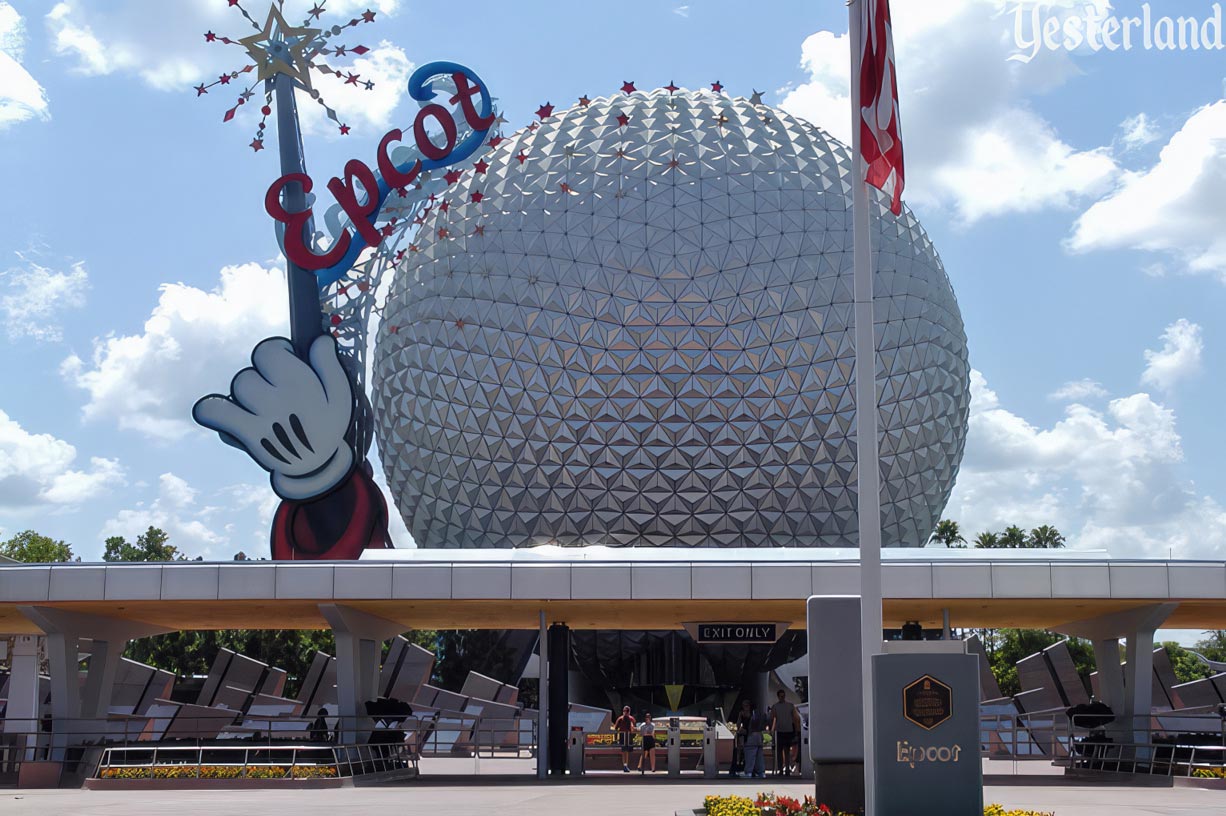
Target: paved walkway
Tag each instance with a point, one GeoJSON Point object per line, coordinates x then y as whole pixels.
{"type": "Point", "coordinates": [616, 796]}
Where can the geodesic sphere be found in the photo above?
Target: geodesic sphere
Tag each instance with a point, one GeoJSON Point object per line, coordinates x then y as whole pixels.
{"type": "Point", "coordinates": [635, 327]}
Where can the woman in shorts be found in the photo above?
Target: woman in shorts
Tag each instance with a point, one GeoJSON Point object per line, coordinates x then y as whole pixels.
{"type": "Point", "coordinates": [647, 730]}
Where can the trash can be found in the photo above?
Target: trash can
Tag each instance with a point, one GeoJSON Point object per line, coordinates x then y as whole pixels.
{"type": "Point", "coordinates": [575, 746]}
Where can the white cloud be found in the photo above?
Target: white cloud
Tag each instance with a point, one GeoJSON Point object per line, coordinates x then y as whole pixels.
{"type": "Point", "coordinates": [168, 52]}
{"type": "Point", "coordinates": [21, 97]}
{"type": "Point", "coordinates": [36, 471]}
{"type": "Point", "coordinates": [1179, 357]}
{"type": "Point", "coordinates": [1177, 207]}
{"type": "Point", "coordinates": [176, 512]}
{"type": "Point", "coordinates": [192, 344]}
{"type": "Point", "coordinates": [1138, 131]}
{"type": "Point", "coordinates": [682, 11]}
{"type": "Point", "coordinates": [1077, 390]}
{"type": "Point", "coordinates": [1108, 478]}
{"type": "Point", "coordinates": [32, 298]}
{"type": "Point", "coordinates": [972, 140]}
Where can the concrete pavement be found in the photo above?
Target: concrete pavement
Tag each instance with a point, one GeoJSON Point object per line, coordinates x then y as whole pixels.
{"type": "Point", "coordinates": [612, 796]}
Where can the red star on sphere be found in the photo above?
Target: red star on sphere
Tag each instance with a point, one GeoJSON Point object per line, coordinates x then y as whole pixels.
{"type": "Point", "coordinates": [209, 36]}
{"type": "Point", "coordinates": [445, 206]}
{"type": "Point", "coordinates": [388, 230]}
{"type": "Point", "coordinates": [316, 11]}
{"type": "Point", "coordinates": [344, 130]}
{"type": "Point", "coordinates": [257, 145]}
{"type": "Point", "coordinates": [479, 229]}
{"type": "Point", "coordinates": [459, 324]}
{"type": "Point", "coordinates": [476, 196]}
{"type": "Point", "coordinates": [352, 80]}
{"type": "Point", "coordinates": [442, 232]}
{"type": "Point", "coordinates": [522, 157]}
{"type": "Point", "coordinates": [715, 86]}
{"type": "Point", "coordinates": [414, 248]}
{"type": "Point", "coordinates": [564, 187]}
{"type": "Point", "coordinates": [628, 87]}
{"type": "Point", "coordinates": [545, 111]}
{"type": "Point", "coordinates": [622, 120]}
{"type": "Point", "coordinates": [531, 127]}
{"type": "Point", "coordinates": [495, 141]}
{"type": "Point", "coordinates": [201, 90]}
{"type": "Point", "coordinates": [670, 87]}
{"type": "Point", "coordinates": [233, 2]}
{"type": "Point", "coordinates": [584, 101]}
{"type": "Point", "coordinates": [224, 79]}
{"type": "Point", "coordinates": [451, 176]}
{"type": "Point", "coordinates": [399, 256]}
{"type": "Point", "coordinates": [368, 16]}
{"type": "Point", "coordinates": [674, 163]}
{"type": "Point", "coordinates": [481, 166]}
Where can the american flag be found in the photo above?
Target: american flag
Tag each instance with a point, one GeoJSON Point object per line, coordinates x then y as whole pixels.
{"type": "Point", "coordinates": [880, 135]}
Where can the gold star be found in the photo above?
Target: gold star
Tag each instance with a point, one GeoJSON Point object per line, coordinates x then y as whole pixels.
{"type": "Point", "coordinates": [277, 49]}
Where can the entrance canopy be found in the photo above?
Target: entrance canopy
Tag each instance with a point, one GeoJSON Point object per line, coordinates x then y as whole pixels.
{"type": "Point", "coordinates": [626, 588]}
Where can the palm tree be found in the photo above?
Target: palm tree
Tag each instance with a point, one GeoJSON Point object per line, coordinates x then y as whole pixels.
{"type": "Point", "coordinates": [947, 533]}
{"type": "Point", "coordinates": [987, 541]}
{"type": "Point", "coordinates": [1013, 538]}
{"type": "Point", "coordinates": [1046, 537]}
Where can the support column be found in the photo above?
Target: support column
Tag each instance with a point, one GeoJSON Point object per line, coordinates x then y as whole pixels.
{"type": "Point", "coordinates": [1130, 694]}
{"type": "Point", "coordinates": [1139, 683]}
{"type": "Point", "coordinates": [23, 712]}
{"type": "Point", "coordinates": [558, 718]}
{"type": "Point", "coordinates": [1110, 672]}
{"type": "Point", "coordinates": [359, 645]}
{"type": "Point", "coordinates": [79, 715]}
{"type": "Point", "coordinates": [542, 701]}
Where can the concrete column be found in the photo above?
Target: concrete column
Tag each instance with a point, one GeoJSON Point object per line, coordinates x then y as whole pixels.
{"type": "Point", "coordinates": [359, 644]}
{"type": "Point", "coordinates": [1110, 672]}
{"type": "Point", "coordinates": [761, 692]}
{"type": "Point", "coordinates": [23, 711]}
{"type": "Point", "coordinates": [1139, 683]}
{"type": "Point", "coordinates": [1130, 695]}
{"type": "Point", "coordinates": [79, 715]}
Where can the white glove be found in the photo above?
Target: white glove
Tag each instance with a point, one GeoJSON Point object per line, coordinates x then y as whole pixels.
{"type": "Point", "coordinates": [290, 415]}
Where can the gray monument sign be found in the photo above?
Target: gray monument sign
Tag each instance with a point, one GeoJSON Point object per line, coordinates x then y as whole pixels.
{"type": "Point", "coordinates": [927, 735]}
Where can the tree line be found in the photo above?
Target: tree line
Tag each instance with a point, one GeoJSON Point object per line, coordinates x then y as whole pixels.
{"type": "Point", "coordinates": [187, 653]}
{"type": "Point", "coordinates": [948, 533]}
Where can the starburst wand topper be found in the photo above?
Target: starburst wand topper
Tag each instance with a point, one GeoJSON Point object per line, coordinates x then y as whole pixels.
{"type": "Point", "coordinates": [282, 56]}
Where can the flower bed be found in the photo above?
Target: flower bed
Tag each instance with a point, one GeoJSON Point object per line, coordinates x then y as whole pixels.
{"type": "Point", "coordinates": [221, 772]}
{"type": "Point", "coordinates": [769, 804]}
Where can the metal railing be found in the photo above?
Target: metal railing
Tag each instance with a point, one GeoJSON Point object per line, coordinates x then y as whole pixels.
{"type": "Point", "coordinates": [82, 746]}
{"type": "Point", "coordinates": [1160, 744]}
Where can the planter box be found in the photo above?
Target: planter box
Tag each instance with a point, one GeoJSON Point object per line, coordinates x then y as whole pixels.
{"type": "Point", "coordinates": [44, 774]}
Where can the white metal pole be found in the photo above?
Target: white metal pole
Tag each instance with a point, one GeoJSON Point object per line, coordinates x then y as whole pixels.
{"type": "Point", "coordinates": [542, 702]}
{"type": "Point", "coordinates": [867, 458]}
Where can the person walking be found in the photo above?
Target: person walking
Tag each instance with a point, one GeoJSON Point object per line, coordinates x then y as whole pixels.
{"type": "Point", "coordinates": [624, 728]}
{"type": "Point", "coordinates": [647, 730]}
{"type": "Point", "coordinates": [754, 724]}
{"type": "Point", "coordinates": [785, 725]}
{"type": "Point", "coordinates": [740, 730]}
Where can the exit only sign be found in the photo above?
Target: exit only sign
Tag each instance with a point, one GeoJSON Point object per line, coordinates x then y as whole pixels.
{"type": "Point", "coordinates": [735, 631]}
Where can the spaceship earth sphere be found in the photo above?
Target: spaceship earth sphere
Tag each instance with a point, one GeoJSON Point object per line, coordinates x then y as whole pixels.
{"type": "Point", "coordinates": [632, 325]}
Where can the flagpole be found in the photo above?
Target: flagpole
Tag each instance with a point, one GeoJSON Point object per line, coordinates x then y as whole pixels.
{"type": "Point", "coordinates": [867, 458]}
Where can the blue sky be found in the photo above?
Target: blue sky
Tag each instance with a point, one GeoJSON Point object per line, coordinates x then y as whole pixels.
{"type": "Point", "coordinates": [1076, 200]}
